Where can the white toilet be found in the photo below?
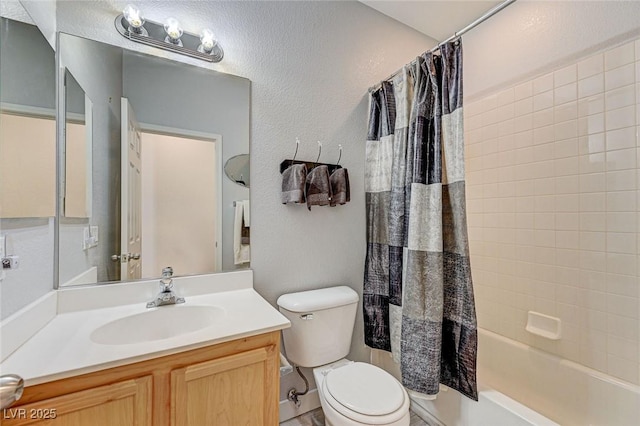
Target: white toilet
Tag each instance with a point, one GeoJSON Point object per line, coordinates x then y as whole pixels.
{"type": "Point", "coordinates": [351, 393]}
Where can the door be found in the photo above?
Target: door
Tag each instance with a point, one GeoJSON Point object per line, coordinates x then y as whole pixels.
{"type": "Point", "coordinates": [131, 207]}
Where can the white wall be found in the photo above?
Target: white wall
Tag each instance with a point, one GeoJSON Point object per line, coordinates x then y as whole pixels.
{"type": "Point", "coordinates": [32, 241]}
{"type": "Point", "coordinates": [552, 181]}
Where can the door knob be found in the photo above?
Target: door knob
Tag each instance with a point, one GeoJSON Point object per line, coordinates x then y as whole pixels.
{"type": "Point", "coordinates": [11, 388]}
{"type": "Point", "coordinates": [124, 258]}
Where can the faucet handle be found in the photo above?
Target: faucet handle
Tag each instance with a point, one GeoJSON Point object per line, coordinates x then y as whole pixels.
{"type": "Point", "coordinates": [167, 272]}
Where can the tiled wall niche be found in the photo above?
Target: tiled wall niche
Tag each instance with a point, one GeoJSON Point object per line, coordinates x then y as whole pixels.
{"type": "Point", "coordinates": [552, 196]}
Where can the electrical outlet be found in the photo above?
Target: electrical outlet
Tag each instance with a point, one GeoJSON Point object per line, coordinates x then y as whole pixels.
{"type": "Point", "coordinates": [11, 262]}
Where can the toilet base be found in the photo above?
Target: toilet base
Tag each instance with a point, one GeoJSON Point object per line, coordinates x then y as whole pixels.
{"type": "Point", "coordinates": [334, 418]}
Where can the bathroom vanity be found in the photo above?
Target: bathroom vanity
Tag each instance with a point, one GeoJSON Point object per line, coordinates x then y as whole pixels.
{"type": "Point", "coordinates": [229, 383]}
{"type": "Point", "coordinates": [101, 362]}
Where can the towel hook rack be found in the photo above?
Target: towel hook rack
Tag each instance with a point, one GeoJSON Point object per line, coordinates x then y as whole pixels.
{"type": "Point", "coordinates": [296, 153]}
{"type": "Point", "coordinates": [340, 156]}
{"type": "Point", "coordinates": [319, 151]}
{"type": "Point", "coordinates": [309, 165]}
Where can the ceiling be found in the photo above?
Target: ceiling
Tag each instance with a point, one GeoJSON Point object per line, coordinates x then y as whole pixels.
{"type": "Point", "coordinates": [436, 19]}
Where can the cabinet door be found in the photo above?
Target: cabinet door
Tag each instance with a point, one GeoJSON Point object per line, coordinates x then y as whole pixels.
{"type": "Point", "coordinates": [235, 390]}
{"type": "Point", "coordinates": [126, 403]}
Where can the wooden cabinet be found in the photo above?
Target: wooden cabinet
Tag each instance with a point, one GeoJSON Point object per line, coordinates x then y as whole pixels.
{"type": "Point", "coordinates": [238, 383]}
{"type": "Point", "coordinates": [126, 403]}
{"type": "Point", "coordinates": [232, 383]}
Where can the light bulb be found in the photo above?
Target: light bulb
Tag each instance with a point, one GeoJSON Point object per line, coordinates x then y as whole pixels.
{"type": "Point", "coordinates": [133, 16]}
{"type": "Point", "coordinates": [173, 30]}
{"type": "Point", "coordinates": [207, 41]}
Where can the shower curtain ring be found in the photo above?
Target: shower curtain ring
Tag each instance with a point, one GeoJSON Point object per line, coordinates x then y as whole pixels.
{"type": "Point", "coordinates": [340, 156]}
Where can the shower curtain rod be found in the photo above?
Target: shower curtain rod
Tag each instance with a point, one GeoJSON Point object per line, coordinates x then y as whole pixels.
{"type": "Point", "coordinates": [455, 35]}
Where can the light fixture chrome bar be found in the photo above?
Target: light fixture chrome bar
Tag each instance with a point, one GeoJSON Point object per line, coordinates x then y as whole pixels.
{"type": "Point", "coordinates": [156, 38]}
{"type": "Point", "coordinates": [488, 14]}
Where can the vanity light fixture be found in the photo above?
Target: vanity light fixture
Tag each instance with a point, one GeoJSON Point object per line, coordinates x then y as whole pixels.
{"type": "Point", "coordinates": [174, 32]}
{"type": "Point", "coordinates": [135, 20]}
{"type": "Point", "coordinates": [207, 41]}
{"type": "Point", "coordinates": [170, 36]}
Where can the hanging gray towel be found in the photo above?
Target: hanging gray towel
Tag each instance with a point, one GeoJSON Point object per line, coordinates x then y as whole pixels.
{"type": "Point", "coordinates": [340, 188]}
{"type": "Point", "coordinates": [293, 181]}
{"type": "Point", "coordinates": [318, 188]}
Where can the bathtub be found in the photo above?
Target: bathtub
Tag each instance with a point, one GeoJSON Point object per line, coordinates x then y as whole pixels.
{"type": "Point", "coordinates": [520, 385]}
{"type": "Point", "coordinates": [493, 408]}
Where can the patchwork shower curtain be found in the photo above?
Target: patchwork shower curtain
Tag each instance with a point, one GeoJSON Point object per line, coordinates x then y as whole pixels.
{"type": "Point", "coordinates": [418, 294]}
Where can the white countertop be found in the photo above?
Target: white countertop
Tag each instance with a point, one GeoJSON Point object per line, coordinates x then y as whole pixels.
{"type": "Point", "coordinates": [63, 347]}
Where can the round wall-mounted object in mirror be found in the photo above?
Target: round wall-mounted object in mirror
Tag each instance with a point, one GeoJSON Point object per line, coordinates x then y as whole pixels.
{"type": "Point", "coordinates": [237, 169]}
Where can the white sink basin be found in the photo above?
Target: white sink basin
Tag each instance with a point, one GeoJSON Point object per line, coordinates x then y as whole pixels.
{"type": "Point", "coordinates": [157, 324]}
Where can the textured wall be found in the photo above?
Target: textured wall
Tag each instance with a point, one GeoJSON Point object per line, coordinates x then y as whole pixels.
{"type": "Point", "coordinates": [32, 240]}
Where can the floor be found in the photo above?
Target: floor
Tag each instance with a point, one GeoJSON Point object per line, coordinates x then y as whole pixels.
{"type": "Point", "coordinates": [316, 418]}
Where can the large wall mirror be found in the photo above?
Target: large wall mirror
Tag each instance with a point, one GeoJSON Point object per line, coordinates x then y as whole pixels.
{"type": "Point", "coordinates": [145, 143]}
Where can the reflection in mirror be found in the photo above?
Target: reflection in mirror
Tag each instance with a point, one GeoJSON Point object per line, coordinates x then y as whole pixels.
{"type": "Point", "coordinates": [27, 126]}
{"type": "Point", "coordinates": [78, 165]}
{"type": "Point", "coordinates": [160, 133]}
{"type": "Point", "coordinates": [237, 169]}
{"type": "Point", "coordinates": [27, 162]}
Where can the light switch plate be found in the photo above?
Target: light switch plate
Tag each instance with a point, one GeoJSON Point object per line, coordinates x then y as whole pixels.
{"type": "Point", "coordinates": [90, 238]}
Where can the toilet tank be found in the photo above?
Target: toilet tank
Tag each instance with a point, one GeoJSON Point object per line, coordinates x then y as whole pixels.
{"type": "Point", "coordinates": [321, 324]}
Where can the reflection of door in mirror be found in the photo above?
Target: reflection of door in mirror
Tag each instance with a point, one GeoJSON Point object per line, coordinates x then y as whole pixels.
{"type": "Point", "coordinates": [130, 196]}
{"type": "Point", "coordinates": [181, 212]}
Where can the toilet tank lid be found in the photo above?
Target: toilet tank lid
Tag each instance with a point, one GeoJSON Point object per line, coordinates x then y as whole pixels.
{"type": "Point", "coordinates": [314, 300]}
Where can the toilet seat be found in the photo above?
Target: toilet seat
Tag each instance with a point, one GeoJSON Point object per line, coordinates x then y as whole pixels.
{"type": "Point", "coordinates": [365, 393]}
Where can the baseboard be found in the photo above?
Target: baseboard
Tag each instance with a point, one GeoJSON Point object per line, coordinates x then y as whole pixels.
{"type": "Point", "coordinates": [308, 402]}
{"type": "Point", "coordinates": [425, 415]}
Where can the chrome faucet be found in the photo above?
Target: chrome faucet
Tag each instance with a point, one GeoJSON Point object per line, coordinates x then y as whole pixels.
{"type": "Point", "coordinates": [166, 295]}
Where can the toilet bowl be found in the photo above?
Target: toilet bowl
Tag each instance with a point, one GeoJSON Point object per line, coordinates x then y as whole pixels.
{"type": "Point", "coordinates": [356, 393]}
{"type": "Point", "coordinates": [351, 393]}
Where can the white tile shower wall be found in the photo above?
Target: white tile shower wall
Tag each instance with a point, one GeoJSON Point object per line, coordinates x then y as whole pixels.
{"type": "Point", "coordinates": [553, 188]}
